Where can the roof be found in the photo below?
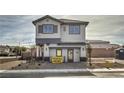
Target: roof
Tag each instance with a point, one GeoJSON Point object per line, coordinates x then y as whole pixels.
{"type": "Point", "coordinates": [63, 21]}
{"type": "Point", "coordinates": [44, 17]}
{"type": "Point", "coordinates": [97, 42]}
{"type": "Point", "coordinates": [73, 21]}
{"type": "Point", "coordinates": [120, 48]}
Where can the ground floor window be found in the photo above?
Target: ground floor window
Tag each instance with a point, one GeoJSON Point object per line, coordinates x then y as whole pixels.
{"type": "Point", "coordinates": [59, 52]}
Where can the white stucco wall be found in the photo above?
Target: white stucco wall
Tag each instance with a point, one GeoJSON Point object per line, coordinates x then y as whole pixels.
{"type": "Point", "coordinates": [66, 37]}
{"type": "Point", "coordinates": [54, 35]}
{"type": "Point", "coordinates": [46, 51]}
{"type": "Point", "coordinates": [76, 55]}
{"type": "Point", "coordinates": [64, 54]}
{"type": "Point", "coordinates": [37, 51]}
{"type": "Point", "coordinates": [52, 52]}
{"type": "Point", "coordinates": [83, 51]}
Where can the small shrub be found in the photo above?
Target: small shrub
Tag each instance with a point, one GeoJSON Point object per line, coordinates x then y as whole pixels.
{"type": "Point", "coordinates": [12, 68]}
{"type": "Point", "coordinates": [39, 64]}
{"type": "Point", "coordinates": [19, 65]}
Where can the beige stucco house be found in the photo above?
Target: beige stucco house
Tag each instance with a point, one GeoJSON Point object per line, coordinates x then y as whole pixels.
{"type": "Point", "coordinates": [102, 48]}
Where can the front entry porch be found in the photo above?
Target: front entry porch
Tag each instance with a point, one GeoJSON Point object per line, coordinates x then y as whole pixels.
{"type": "Point", "coordinates": [68, 54]}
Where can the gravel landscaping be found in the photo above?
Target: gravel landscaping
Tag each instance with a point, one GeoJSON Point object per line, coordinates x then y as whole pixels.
{"type": "Point", "coordinates": [67, 65]}
{"type": "Point", "coordinates": [47, 65]}
{"type": "Point", "coordinates": [96, 63]}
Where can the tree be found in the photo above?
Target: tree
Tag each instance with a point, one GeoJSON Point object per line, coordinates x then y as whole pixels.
{"type": "Point", "coordinates": [23, 49]}
{"type": "Point", "coordinates": [89, 51]}
{"type": "Point", "coordinates": [18, 50]}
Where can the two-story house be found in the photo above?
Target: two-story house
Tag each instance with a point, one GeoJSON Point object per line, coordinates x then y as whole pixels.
{"type": "Point", "coordinates": [60, 37]}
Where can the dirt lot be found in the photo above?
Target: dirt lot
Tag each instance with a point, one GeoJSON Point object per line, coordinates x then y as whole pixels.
{"type": "Point", "coordinates": [8, 59]}
{"type": "Point", "coordinates": [9, 62]}
{"type": "Point", "coordinates": [9, 65]}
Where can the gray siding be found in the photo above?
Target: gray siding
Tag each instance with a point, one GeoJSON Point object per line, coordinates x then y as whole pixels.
{"type": "Point", "coordinates": [47, 40]}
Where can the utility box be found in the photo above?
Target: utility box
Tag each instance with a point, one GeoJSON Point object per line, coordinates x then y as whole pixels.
{"type": "Point", "coordinates": [119, 53]}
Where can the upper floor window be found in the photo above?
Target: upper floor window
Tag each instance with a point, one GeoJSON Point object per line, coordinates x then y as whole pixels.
{"type": "Point", "coordinates": [74, 29]}
{"type": "Point", "coordinates": [48, 28]}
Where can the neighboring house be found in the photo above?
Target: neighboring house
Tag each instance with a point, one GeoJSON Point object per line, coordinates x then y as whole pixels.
{"type": "Point", "coordinates": [4, 50]}
{"type": "Point", "coordinates": [102, 48]}
{"type": "Point", "coordinates": [29, 53]}
{"type": "Point", "coordinates": [60, 37]}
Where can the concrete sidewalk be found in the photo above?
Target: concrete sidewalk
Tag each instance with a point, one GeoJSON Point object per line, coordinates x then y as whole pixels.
{"type": "Point", "coordinates": [64, 70]}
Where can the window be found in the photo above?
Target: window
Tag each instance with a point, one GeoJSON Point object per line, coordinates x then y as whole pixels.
{"type": "Point", "coordinates": [121, 51]}
{"type": "Point", "coordinates": [48, 28]}
{"type": "Point", "coordinates": [74, 29]}
{"type": "Point", "coordinates": [59, 52]}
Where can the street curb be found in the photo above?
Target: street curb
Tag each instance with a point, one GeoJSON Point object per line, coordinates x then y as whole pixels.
{"type": "Point", "coordinates": [44, 71]}
{"type": "Point", "coordinates": [62, 70]}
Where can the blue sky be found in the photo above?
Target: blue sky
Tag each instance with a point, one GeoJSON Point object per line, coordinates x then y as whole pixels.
{"type": "Point", "coordinates": [19, 28]}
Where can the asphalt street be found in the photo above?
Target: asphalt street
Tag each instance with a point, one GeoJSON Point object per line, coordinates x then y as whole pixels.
{"type": "Point", "coordinates": [43, 75]}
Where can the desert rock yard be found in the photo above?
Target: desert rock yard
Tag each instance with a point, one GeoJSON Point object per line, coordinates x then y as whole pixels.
{"type": "Point", "coordinates": [96, 63]}
{"type": "Point", "coordinates": [15, 64]}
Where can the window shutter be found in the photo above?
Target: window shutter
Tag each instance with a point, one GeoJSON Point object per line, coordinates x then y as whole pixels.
{"type": "Point", "coordinates": [40, 29]}
{"type": "Point", "coordinates": [55, 28]}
